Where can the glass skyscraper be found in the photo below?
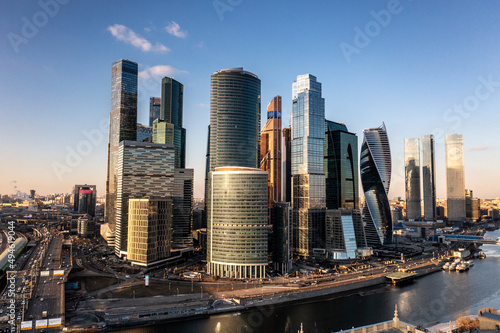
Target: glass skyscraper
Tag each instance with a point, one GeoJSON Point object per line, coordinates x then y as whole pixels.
{"type": "Point", "coordinates": [168, 128]}
{"type": "Point", "coordinates": [341, 167]}
{"type": "Point", "coordinates": [375, 169]}
{"type": "Point", "coordinates": [154, 109]}
{"type": "Point", "coordinates": [412, 179]}
{"type": "Point", "coordinates": [183, 208]}
{"type": "Point", "coordinates": [122, 125]}
{"type": "Point", "coordinates": [237, 220]}
{"type": "Point", "coordinates": [308, 176]}
{"type": "Point", "coordinates": [234, 119]}
{"type": "Point", "coordinates": [84, 197]}
{"type": "Point", "coordinates": [428, 178]}
{"type": "Point", "coordinates": [286, 170]}
{"type": "Point", "coordinates": [455, 179]}
{"type": "Point", "coordinates": [270, 149]}
{"type": "Point", "coordinates": [237, 190]}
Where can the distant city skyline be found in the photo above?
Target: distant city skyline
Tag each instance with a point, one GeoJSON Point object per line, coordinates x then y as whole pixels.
{"type": "Point", "coordinates": [440, 78]}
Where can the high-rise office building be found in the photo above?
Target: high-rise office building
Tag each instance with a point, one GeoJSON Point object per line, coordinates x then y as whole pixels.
{"type": "Point", "coordinates": [32, 194]}
{"type": "Point", "coordinates": [234, 119]}
{"type": "Point", "coordinates": [237, 223]}
{"type": "Point", "coordinates": [154, 109]}
{"type": "Point", "coordinates": [344, 233]}
{"type": "Point", "coordinates": [122, 125]}
{"type": "Point", "coordinates": [144, 133]}
{"type": "Point", "coordinates": [455, 180]}
{"type": "Point", "coordinates": [375, 169]}
{"type": "Point", "coordinates": [308, 176]}
{"type": "Point", "coordinates": [341, 167]}
{"type": "Point", "coordinates": [281, 214]}
{"type": "Point", "coordinates": [428, 178]}
{"type": "Point", "coordinates": [286, 190]}
{"type": "Point", "coordinates": [149, 230]}
{"type": "Point", "coordinates": [234, 143]}
{"type": "Point", "coordinates": [412, 179]}
{"type": "Point", "coordinates": [270, 150]}
{"type": "Point", "coordinates": [183, 208]}
{"type": "Point", "coordinates": [145, 170]}
{"type": "Point", "coordinates": [168, 128]}
{"type": "Point", "coordinates": [84, 197]}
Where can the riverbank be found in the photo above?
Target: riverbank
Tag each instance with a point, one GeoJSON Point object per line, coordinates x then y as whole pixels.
{"type": "Point", "coordinates": [145, 311]}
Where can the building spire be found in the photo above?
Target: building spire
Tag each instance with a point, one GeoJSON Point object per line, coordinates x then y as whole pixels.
{"type": "Point", "coordinates": [301, 328]}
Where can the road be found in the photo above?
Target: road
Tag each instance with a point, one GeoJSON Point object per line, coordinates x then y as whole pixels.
{"type": "Point", "coordinates": [49, 292]}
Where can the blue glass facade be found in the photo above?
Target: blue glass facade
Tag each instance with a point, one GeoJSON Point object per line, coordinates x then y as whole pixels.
{"type": "Point", "coordinates": [412, 179]}
{"type": "Point", "coordinates": [122, 125]}
{"type": "Point", "coordinates": [154, 109]}
{"type": "Point", "coordinates": [308, 176]}
{"type": "Point", "coordinates": [375, 167]}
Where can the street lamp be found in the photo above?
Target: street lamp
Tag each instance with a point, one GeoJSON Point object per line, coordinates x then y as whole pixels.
{"type": "Point", "coordinates": [201, 292]}
{"type": "Point", "coordinates": [177, 291]}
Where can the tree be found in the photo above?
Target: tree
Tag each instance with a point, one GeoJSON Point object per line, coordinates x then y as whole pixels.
{"type": "Point", "coordinates": [489, 309]}
{"type": "Point", "coordinates": [465, 324]}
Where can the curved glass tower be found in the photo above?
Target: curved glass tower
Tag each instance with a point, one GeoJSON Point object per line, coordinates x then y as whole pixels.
{"type": "Point", "coordinates": [237, 221]}
{"type": "Point", "coordinates": [234, 119]}
{"type": "Point", "coordinates": [375, 167]}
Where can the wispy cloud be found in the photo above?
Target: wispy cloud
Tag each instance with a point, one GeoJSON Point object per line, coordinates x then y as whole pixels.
{"type": "Point", "coordinates": [158, 72]}
{"type": "Point", "coordinates": [203, 105]}
{"type": "Point", "coordinates": [127, 35]}
{"type": "Point", "coordinates": [479, 148]}
{"type": "Point", "coordinates": [199, 45]}
{"type": "Point", "coordinates": [174, 28]}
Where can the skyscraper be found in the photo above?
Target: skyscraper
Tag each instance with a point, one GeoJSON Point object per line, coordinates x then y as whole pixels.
{"type": "Point", "coordinates": [282, 237]}
{"type": "Point", "coordinates": [154, 109]}
{"type": "Point", "coordinates": [308, 176]}
{"type": "Point", "coordinates": [341, 167]}
{"type": "Point", "coordinates": [375, 167]}
{"type": "Point", "coordinates": [149, 230]}
{"type": "Point", "coordinates": [412, 179]}
{"type": "Point", "coordinates": [122, 125]}
{"type": "Point", "coordinates": [455, 179]}
{"type": "Point", "coordinates": [168, 128]}
{"type": "Point", "coordinates": [237, 191]}
{"type": "Point", "coordinates": [84, 197]}
{"type": "Point", "coordinates": [145, 170]}
{"type": "Point", "coordinates": [183, 208]}
{"type": "Point", "coordinates": [287, 165]}
{"type": "Point", "coordinates": [270, 150]}
{"type": "Point", "coordinates": [428, 178]}
{"type": "Point", "coordinates": [237, 220]}
{"type": "Point", "coordinates": [234, 119]}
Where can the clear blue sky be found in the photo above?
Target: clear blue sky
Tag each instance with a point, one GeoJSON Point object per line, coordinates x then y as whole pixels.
{"type": "Point", "coordinates": [425, 57]}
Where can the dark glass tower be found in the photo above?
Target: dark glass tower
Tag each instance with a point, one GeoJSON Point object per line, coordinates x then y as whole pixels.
{"type": "Point", "coordinates": [286, 192]}
{"type": "Point", "coordinates": [122, 125]}
{"type": "Point", "coordinates": [428, 178]}
{"type": "Point", "coordinates": [375, 167]}
{"type": "Point", "coordinates": [168, 128]}
{"type": "Point", "coordinates": [234, 119]}
{"type": "Point", "coordinates": [154, 109]}
{"type": "Point", "coordinates": [341, 167]}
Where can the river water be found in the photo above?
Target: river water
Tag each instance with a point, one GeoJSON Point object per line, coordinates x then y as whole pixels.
{"type": "Point", "coordinates": [438, 297]}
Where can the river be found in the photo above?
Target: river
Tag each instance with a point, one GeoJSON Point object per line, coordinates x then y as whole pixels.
{"type": "Point", "coordinates": [438, 297]}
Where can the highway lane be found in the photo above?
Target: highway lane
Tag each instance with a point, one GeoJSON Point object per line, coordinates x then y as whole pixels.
{"type": "Point", "coordinates": [49, 293]}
